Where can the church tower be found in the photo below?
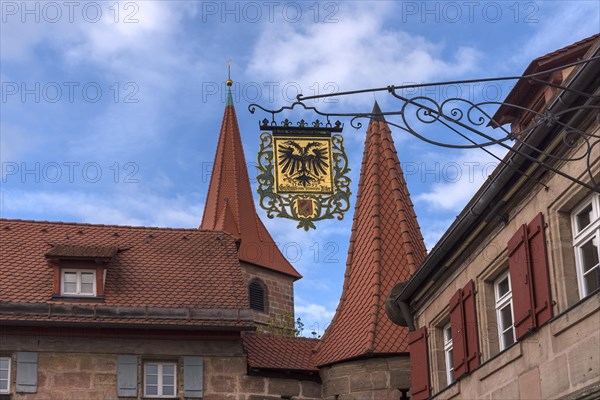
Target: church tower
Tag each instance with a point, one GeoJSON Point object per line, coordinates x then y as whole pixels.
{"type": "Point", "coordinates": [230, 207]}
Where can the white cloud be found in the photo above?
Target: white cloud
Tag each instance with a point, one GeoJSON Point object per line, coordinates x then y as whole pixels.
{"type": "Point", "coordinates": [359, 53]}
{"type": "Point", "coordinates": [132, 208]}
{"type": "Point", "coordinates": [559, 24]}
{"type": "Point", "coordinates": [457, 179]}
{"type": "Point", "coordinates": [315, 317]}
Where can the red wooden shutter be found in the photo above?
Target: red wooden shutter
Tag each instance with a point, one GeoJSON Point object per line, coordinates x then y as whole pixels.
{"type": "Point", "coordinates": [518, 264]}
{"type": "Point", "coordinates": [459, 340]}
{"type": "Point", "coordinates": [465, 340]}
{"type": "Point", "coordinates": [470, 317]}
{"type": "Point", "coordinates": [528, 268]}
{"type": "Point", "coordinates": [539, 266]}
{"type": "Point", "coordinates": [419, 366]}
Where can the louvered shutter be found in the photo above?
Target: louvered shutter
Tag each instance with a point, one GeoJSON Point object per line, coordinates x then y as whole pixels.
{"type": "Point", "coordinates": [528, 265]}
{"type": "Point", "coordinates": [27, 372]}
{"type": "Point", "coordinates": [539, 266]}
{"type": "Point", "coordinates": [459, 341]}
{"type": "Point", "coordinates": [470, 318]}
{"type": "Point", "coordinates": [465, 340]}
{"type": "Point", "coordinates": [520, 280]}
{"type": "Point", "coordinates": [419, 366]}
{"type": "Point", "coordinates": [127, 382]}
{"type": "Point", "coordinates": [193, 370]}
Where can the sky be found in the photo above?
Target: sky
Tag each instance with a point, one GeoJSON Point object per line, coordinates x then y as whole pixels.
{"type": "Point", "coordinates": [110, 110]}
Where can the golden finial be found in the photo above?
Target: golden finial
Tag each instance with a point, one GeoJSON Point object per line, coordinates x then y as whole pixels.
{"type": "Point", "coordinates": [229, 81]}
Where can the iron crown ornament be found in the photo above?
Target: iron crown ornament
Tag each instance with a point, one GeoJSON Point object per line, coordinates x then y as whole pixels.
{"type": "Point", "coordinates": [303, 172]}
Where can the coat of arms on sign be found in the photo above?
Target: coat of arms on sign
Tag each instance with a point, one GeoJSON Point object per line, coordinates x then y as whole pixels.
{"type": "Point", "coordinates": [303, 172]}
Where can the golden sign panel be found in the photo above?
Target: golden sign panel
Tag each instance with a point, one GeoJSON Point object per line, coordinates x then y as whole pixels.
{"type": "Point", "coordinates": [303, 165]}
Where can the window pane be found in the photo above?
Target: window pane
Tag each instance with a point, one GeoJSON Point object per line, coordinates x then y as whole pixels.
{"type": "Point", "coordinates": [4, 363]}
{"type": "Point", "coordinates": [87, 288]}
{"type": "Point", "coordinates": [152, 369]}
{"type": "Point", "coordinates": [168, 379]}
{"type": "Point", "coordinates": [87, 277]}
{"type": "Point", "coordinates": [168, 369]}
{"type": "Point", "coordinates": [508, 337]}
{"type": "Point", "coordinates": [151, 390]}
{"type": "Point", "coordinates": [589, 254]}
{"type": "Point", "coordinates": [451, 359]}
{"type": "Point", "coordinates": [168, 390]}
{"type": "Point", "coordinates": [503, 287]}
{"type": "Point", "coordinates": [448, 334]}
{"type": "Point", "coordinates": [584, 218]}
{"type": "Point", "coordinates": [70, 277]}
{"type": "Point", "coordinates": [505, 317]}
{"type": "Point", "coordinates": [152, 379]}
{"type": "Point", "coordinates": [4, 385]}
{"type": "Point", "coordinates": [70, 287]}
{"type": "Point", "coordinates": [3, 374]}
{"type": "Point", "coordinates": [592, 280]}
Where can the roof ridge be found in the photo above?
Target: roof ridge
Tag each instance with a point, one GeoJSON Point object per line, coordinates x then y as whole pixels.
{"type": "Point", "coordinates": [376, 244]}
{"type": "Point", "coordinates": [111, 225]}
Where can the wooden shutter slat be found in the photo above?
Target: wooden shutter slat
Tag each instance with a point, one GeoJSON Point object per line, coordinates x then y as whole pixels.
{"type": "Point", "coordinates": [419, 365]}
{"type": "Point", "coordinates": [193, 371]}
{"type": "Point", "coordinates": [518, 263]}
{"type": "Point", "coordinates": [459, 343]}
{"type": "Point", "coordinates": [471, 330]}
{"type": "Point", "coordinates": [539, 268]}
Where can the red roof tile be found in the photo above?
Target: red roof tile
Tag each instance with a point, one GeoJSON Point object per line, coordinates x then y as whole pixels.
{"type": "Point", "coordinates": [279, 352]}
{"type": "Point", "coordinates": [230, 206]}
{"type": "Point", "coordinates": [386, 247]}
{"type": "Point", "coordinates": [154, 267]}
{"type": "Point", "coordinates": [525, 92]}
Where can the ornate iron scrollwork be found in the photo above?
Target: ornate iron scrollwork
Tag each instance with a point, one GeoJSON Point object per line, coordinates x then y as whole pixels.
{"type": "Point", "coordinates": [468, 121]}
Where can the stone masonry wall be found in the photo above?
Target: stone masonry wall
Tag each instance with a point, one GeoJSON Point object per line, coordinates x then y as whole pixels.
{"type": "Point", "coordinates": [280, 294]}
{"type": "Point", "coordinates": [372, 379]}
{"type": "Point", "coordinates": [227, 376]}
{"type": "Point", "coordinates": [85, 368]}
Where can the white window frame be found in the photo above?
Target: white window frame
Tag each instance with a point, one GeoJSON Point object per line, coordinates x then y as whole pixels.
{"type": "Point", "coordinates": [500, 303]}
{"type": "Point", "coordinates": [585, 235]}
{"type": "Point", "coordinates": [448, 348]}
{"type": "Point", "coordinates": [159, 384]}
{"type": "Point", "coordinates": [7, 391]}
{"type": "Point", "coordinates": [78, 273]}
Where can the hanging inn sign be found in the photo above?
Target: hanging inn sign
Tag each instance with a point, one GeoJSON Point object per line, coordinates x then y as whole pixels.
{"type": "Point", "coordinates": [303, 171]}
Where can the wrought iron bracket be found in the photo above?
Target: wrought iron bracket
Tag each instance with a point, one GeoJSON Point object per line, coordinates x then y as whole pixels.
{"type": "Point", "coordinates": [467, 124]}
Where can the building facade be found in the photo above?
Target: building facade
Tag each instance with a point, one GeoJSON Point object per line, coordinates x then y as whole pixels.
{"type": "Point", "coordinates": [507, 304]}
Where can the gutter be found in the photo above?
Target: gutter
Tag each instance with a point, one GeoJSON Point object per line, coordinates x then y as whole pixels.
{"type": "Point", "coordinates": [488, 194]}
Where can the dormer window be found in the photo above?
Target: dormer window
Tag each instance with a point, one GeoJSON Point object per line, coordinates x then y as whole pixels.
{"type": "Point", "coordinates": [79, 271]}
{"type": "Point", "coordinates": [78, 282]}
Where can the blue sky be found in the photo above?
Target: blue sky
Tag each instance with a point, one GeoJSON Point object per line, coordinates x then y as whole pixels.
{"type": "Point", "coordinates": [110, 111]}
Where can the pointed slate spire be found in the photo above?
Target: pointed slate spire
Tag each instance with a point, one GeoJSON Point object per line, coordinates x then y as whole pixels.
{"type": "Point", "coordinates": [386, 247]}
{"type": "Point", "coordinates": [229, 204]}
{"type": "Point", "coordinates": [376, 114]}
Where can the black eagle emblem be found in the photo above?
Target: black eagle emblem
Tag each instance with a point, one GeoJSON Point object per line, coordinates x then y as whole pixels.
{"type": "Point", "coordinates": [303, 164]}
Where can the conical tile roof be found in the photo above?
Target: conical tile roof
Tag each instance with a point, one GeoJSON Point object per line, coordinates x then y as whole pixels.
{"type": "Point", "coordinates": [229, 204]}
{"type": "Point", "coordinates": [386, 247]}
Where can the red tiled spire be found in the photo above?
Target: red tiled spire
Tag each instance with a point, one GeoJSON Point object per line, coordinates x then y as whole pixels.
{"type": "Point", "coordinates": [229, 204]}
{"type": "Point", "coordinates": [386, 246]}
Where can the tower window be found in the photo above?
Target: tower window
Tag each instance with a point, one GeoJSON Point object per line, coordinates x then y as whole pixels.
{"type": "Point", "coordinates": [257, 295]}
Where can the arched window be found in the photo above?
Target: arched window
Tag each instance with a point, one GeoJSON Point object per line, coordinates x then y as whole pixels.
{"type": "Point", "coordinates": [257, 295]}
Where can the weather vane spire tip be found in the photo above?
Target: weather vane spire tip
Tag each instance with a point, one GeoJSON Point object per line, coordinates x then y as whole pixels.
{"type": "Point", "coordinates": [229, 81]}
